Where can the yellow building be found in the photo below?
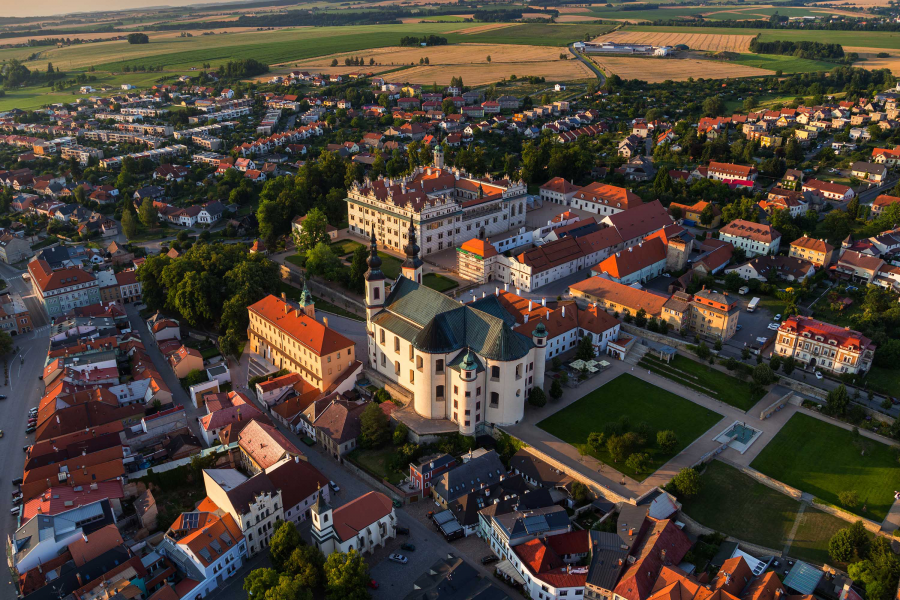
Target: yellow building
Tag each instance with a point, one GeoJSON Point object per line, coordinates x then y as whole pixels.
{"type": "Point", "coordinates": [815, 251]}
{"type": "Point", "coordinates": [292, 339]}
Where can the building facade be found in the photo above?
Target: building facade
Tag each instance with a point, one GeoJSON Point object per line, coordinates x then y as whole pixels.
{"type": "Point", "coordinates": [823, 346]}
{"type": "Point", "coordinates": [445, 206]}
{"type": "Point", "coordinates": [290, 338]}
{"type": "Point", "coordinates": [459, 363]}
{"type": "Point", "coordinates": [62, 290]}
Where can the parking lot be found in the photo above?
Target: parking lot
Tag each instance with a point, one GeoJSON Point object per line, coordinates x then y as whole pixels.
{"type": "Point", "coordinates": [396, 579]}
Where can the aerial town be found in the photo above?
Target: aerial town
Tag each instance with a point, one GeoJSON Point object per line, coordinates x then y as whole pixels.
{"type": "Point", "coordinates": [465, 301]}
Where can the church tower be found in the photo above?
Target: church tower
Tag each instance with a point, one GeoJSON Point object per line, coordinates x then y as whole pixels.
{"type": "Point", "coordinates": [439, 157]}
{"type": "Point", "coordinates": [307, 306]}
{"type": "Point", "coordinates": [322, 525]}
{"type": "Point", "coordinates": [374, 282]}
{"type": "Point", "coordinates": [412, 266]}
{"type": "Point", "coordinates": [539, 337]}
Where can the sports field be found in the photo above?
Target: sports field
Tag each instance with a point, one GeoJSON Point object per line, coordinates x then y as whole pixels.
{"type": "Point", "coordinates": [825, 460]}
{"type": "Point", "coordinates": [639, 401]}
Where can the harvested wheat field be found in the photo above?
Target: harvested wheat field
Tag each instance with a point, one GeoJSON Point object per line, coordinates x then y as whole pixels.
{"type": "Point", "coordinates": [873, 62]}
{"type": "Point", "coordinates": [466, 60]}
{"type": "Point", "coordinates": [655, 70]}
{"type": "Point", "coordinates": [569, 10]}
{"type": "Point", "coordinates": [694, 41]}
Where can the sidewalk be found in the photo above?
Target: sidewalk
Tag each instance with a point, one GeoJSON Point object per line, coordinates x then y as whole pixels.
{"type": "Point", "coordinates": [605, 475]}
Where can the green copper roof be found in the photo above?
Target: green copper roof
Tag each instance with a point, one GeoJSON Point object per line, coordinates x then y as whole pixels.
{"type": "Point", "coordinates": [434, 323]}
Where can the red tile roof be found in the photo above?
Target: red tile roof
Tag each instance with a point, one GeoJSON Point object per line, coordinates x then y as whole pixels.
{"type": "Point", "coordinates": [49, 280]}
{"type": "Point", "coordinates": [765, 234]}
{"type": "Point", "coordinates": [815, 245]}
{"type": "Point", "coordinates": [662, 542]}
{"type": "Point", "coordinates": [732, 171]}
{"type": "Point", "coordinates": [609, 195]}
{"type": "Point", "coordinates": [265, 445]}
{"type": "Point", "coordinates": [844, 337]}
{"type": "Point", "coordinates": [89, 547]}
{"type": "Point", "coordinates": [356, 515]}
{"type": "Point", "coordinates": [633, 259]}
{"type": "Point", "coordinates": [317, 337]}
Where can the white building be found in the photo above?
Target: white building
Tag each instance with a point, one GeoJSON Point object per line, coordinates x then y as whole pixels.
{"type": "Point", "coordinates": [459, 363]}
{"type": "Point", "coordinates": [361, 524]}
{"type": "Point", "coordinates": [208, 548]}
{"type": "Point", "coordinates": [446, 207]}
{"type": "Point", "coordinates": [255, 504]}
{"type": "Point", "coordinates": [754, 238]}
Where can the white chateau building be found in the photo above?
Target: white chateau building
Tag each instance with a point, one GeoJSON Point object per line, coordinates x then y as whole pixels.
{"type": "Point", "coordinates": [446, 206]}
{"type": "Point", "coordinates": [460, 362]}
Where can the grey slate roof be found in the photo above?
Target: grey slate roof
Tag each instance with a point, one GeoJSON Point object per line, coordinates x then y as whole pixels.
{"type": "Point", "coordinates": [608, 560]}
{"type": "Point", "coordinates": [477, 473]}
{"type": "Point", "coordinates": [435, 323]}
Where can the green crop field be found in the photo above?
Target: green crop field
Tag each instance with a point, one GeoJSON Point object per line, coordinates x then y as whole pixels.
{"type": "Point", "coordinates": [786, 64]}
{"type": "Point", "coordinates": [536, 34]}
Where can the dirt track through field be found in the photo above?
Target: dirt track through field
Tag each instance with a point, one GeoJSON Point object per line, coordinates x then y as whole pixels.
{"type": "Point", "coordinates": [483, 28]}
{"type": "Point", "coordinates": [695, 41]}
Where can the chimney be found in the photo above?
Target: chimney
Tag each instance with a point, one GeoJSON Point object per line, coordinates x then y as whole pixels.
{"type": "Point", "coordinates": [297, 459]}
{"type": "Point", "coordinates": [529, 306]}
{"type": "Point", "coordinates": [544, 302]}
{"type": "Point", "coordinates": [325, 321]}
{"type": "Point", "coordinates": [497, 290]}
{"type": "Point", "coordinates": [483, 294]}
{"type": "Point", "coordinates": [518, 292]}
{"type": "Point", "coordinates": [505, 287]}
{"type": "Point", "coordinates": [526, 319]}
{"type": "Point", "coordinates": [564, 312]}
{"type": "Point", "coordinates": [284, 296]}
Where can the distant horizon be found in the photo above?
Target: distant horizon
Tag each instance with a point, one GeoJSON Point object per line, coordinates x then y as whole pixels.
{"type": "Point", "coordinates": [58, 8]}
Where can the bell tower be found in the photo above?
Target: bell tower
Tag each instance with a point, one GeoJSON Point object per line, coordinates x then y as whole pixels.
{"type": "Point", "coordinates": [374, 282]}
{"type": "Point", "coordinates": [439, 157]}
{"type": "Point", "coordinates": [412, 266]}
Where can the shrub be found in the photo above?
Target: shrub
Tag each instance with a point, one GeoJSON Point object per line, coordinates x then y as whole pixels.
{"type": "Point", "coordinates": [666, 440]}
{"type": "Point", "coordinates": [687, 482]}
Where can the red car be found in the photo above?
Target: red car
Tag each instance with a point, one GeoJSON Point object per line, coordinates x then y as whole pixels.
{"type": "Point", "coordinates": [373, 584]}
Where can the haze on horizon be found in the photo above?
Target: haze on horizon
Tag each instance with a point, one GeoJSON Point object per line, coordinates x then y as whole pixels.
{"type": "Point", "coordinates": [12, 8]}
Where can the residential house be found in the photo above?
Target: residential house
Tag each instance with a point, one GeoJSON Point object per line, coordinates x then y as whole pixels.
{"type": "Point", "coordinates": [184, 360]}
{"type": "Point", "coordinates": [62, 290]}
{"type": "Point", "coordinates": [773, 268]}
{"type": "Point", "coordinates": [817, 252]}
{"type": "Point", "coordinates": [362, 524]}
{"type": "Point", "coordinates": [753, 238]}
{"type": "Point", "coordinates": [823, 346]}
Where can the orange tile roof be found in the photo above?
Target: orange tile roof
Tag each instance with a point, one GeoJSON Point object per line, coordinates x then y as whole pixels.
{"type": "Point", "coordinates": [560, 185]}
{"type": "Point", "coordinates": [317, 337]}
{"type": "Point", "coordinates": [731, 170]}
{"type": "Point", "coordinates": [89, 547]}
{"type": "Point", "coordinates": [49, 280]}
{"type": "Point", "coordinates": [609, 195]}
{"type": "Point", "coordinates": [884, 200]}
{"type": "Point", "coordinates": [627, 296]}
{"type": "Point", "coordinates": [478, 247]}
{"type": "Point", "coordinates": [808, 243]}
{"type": "Point", "coordinates": [356, 515]}
{"type": "Point", "coordinates": [633, 259]}
{"type": "Point", "coordinates": [765, 234]}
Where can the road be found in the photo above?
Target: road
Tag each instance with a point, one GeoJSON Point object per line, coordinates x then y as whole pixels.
{"type": "Point", "coordinates": [24, 392]}
{"type": "Point", "coordinates": [600, 75]}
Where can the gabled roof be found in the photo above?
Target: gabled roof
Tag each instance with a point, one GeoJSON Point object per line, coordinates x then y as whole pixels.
{"type": "Point", "coordinates": [358, 514]}
{"type": "Point", "coordinates": [265, 444]}
{"type": "Point", "coordinates": [640, 220]}
{"type": "Point", "coordinates": [310, 333]}
{"type": "Point", "coordinates": [815, 245]}
{"type": "Point", "coordinates": [632, 259]}
{"type": "Point", "coordinates": [765, 234]}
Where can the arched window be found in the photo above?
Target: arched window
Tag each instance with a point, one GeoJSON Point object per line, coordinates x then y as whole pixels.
{"type": "Point", "coordinates": [495, 372]}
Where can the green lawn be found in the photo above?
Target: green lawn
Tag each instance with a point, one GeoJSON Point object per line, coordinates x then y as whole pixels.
{"type": "Point", "coordinates": [738, 505]}
{"type": "Point", "coordinates": [293, 293]}
{"type": "Point", "coordinates": [640, 401]}
{"type": "Point", "coordinates": [885, 381]}
{"type": "Point", "coordinates": [822, 459]}
{"type": "Point", "coordinates": [375, 461]}
{"type": "Point", "coordinates": [345, 247]}
{"type": "Point", "coordinates": [705, 379]}
{"type": "Point", "coordinates": [297, 260]}
{"type": "Point", "coordinates": [811, 538]}
{"type": "Point", "coordinates": [439, 282]}
{"type": "Point", "coordinates": [390, 265]}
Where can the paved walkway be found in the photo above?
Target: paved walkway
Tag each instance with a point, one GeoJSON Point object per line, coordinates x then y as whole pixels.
{"type": "Point", "coordinates": [603, 474]}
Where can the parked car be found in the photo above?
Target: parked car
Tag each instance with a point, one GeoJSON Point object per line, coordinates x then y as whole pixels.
{"type": "Point", "coordinates": [17, 481]}
{"type": "Point", "coordinates": [373, 584]}
{"type": "Point", "coordinates": [819, 375]}
{"type": "Point", "coordinates": [773, 326]}
{"type": "Point", "coordinates": [335, 487]}
{"type": "Point", "coordinates": [490, 558]}
{"type": "Point", "coordinates": [777, 318]}
{"type": "Point", "coordinates": [739, 327]}
{"type": "Point", "coordinates": [15, 510]}
{"type": "Point", "coordinates": [30, 429]}
{"type": "Point", "coordinates": [398, 558]}
{"type": "Point", "coordinates": [2, 397]}
{"type": "Point", "coordinates": [403, 531]}
{"type": "Point", "coordinates": [407, 546]}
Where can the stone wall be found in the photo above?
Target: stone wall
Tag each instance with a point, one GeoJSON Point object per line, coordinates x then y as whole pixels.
{"type": "Point", "coordinates": [775, 406]}
{"type": "Point", "coordinates": [598, 489]}
{"type": "Point", "coordinates": [657, 337]}
{"type": "Point", "coordinates": [765, 480]}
